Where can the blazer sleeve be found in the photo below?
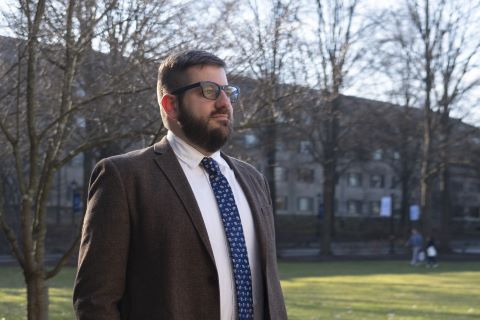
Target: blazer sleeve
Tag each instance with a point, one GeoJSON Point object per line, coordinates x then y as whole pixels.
{"type": "Point", "coordinates": [100, 281]}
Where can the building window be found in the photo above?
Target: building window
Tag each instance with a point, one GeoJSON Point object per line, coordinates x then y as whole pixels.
{"type": "Point", "coordinates": [377, 154]}
{"type": "Point", "coordinates": [280, 146]}
{"type": "Point", "coordinates": [474, 187]}
{"type": "Point", "coordinates": [474, 212]}
{"type": "Point", "coordinates": [354, 207]}
{"type": "Point", "coordinates": [77, 161]}
{"type": "Point", "coordinates": [354, 179]}
{"type": "Point", "coordinates": [250, 140]}
{"type": "Point", "coordinates": [375, 208]}
{"type": "Point", "coordinates": [305, 204]}
{"type": "Point", "coordinates": [281, 174]}
{"type": "Point", "coordinates": [396, 155]}
{"type": "Point", "coordinates": [305, 175]}
{"type": "Point", "coordinates": [305, 147]}
{"type": "Point", "coordinates": [458, 211]}
{"type": "Point", "coordinates": [81, 122]}
{"type": "Point", "coordinates": [457, 186]}
{"type": "Point", "coordinates": [377, 181]}
{"type": "Point", "coordinates": [281, 203]}
{"type": "Point", "coordinates": [394, 182]}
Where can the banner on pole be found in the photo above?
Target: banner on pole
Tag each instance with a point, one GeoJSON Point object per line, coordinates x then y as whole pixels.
{"type": "Point", "coordinates": [414, 212]}
{"type": "Point", "coordinates": [386, 207]}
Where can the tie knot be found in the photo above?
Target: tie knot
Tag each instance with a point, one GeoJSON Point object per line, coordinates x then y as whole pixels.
{"type": "Point", "coordinates": [211, 166]}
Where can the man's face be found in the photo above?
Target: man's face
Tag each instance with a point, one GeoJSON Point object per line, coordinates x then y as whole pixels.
{"type": "Point", "coordinates": [206, 123]}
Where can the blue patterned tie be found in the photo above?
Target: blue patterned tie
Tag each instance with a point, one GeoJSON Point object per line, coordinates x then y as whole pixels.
{"type": "Point", "coordinates": [236, 241]}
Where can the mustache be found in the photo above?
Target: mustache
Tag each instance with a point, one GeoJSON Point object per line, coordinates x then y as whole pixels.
{"type": "Point", "coordinates": [214, 113]}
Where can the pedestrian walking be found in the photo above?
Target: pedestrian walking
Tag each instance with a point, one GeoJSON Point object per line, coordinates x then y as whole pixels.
{"type": "Point", "coordinates": [431, 251]}
{"type": "Point", "coordinates": [416, 243]}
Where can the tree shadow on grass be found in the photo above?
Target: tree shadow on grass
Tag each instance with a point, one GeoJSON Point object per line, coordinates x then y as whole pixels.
{"type": "Point", "coordinates": [290, 270]}
{"type": "Point", "coordinates": [12, 277]}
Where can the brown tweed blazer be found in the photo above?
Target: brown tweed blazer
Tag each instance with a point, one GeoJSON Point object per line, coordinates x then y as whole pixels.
{"type": "Point", "coordinates": [145, 252]}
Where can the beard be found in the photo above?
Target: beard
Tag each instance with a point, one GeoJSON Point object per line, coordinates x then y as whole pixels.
{"type": "Point", "coordinates": [198, 130]}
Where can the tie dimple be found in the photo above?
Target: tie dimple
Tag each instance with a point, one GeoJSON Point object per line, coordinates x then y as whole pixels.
{"type": "Point", "coordinates": [235, 237]}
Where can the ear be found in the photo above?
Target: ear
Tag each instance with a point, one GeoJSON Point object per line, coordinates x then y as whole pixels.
{"type": "Point", "coordinates": [169, 105]}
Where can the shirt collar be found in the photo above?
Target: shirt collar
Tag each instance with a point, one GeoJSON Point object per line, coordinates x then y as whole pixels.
{"type": "Point", "coordinates": [189, 155]}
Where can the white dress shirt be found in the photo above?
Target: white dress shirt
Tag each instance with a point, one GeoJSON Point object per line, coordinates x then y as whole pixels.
{"type": "Point", "coordinates": [197, 177]}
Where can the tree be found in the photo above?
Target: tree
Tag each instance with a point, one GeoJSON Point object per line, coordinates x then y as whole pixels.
{"type": "Point", "coordinates": [458, 50]}
{"type": "Point", "coordinates": [434, 42]}
{"type": "Point", "coordinates": [266, 48]}
{"type": "Point", "coordinates": [333, 54]}
{"type": "Point", "coordinates": [47, 103]}
{"type": "Point", "coordinates": [428, 49]}
{"type": "Point", "coordinates": [395, 58]}
{"type": "Point", "coordinates": [399, 139]}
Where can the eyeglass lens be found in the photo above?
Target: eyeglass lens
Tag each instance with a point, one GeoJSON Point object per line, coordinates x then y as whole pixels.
{"type": "Point", "coordinates": [212, 91]}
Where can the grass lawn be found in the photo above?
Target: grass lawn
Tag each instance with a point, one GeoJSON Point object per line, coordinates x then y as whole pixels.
{"type": "Point", "coordinates": [328, 290]}
{"type": "Point", "coordinates": [384, 290]}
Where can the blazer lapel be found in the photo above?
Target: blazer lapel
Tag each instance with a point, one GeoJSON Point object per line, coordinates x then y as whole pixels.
{"type": "Point", "coordinates": [168, 163]}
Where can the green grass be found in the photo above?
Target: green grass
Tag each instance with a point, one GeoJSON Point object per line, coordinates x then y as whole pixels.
{"type": "Point", "coordinates": [371, 290]}
{"type": "Point", "coordinates": [381, 290]}
{"type": "Point", "coordinates": [13, 295]}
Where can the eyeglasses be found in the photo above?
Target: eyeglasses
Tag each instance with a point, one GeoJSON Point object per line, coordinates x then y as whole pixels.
{"type": "Point", "coordinates": [211, 90]}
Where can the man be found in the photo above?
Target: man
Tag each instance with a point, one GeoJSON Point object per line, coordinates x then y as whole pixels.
{"type": "Point", "coordinates": [416, 242]}
{"type": "Point", "coordinates": [180, 230]}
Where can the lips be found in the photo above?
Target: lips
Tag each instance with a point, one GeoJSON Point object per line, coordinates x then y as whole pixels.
{"type": "Point", "coordinates": [220, 116]}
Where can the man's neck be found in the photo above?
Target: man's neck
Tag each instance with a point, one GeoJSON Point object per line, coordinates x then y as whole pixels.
{"type": "Point", "coordinates": [182, 136]}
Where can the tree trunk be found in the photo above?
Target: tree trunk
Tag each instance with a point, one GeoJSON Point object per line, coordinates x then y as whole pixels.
{"type": "Point", "coordinates": [425, 179]}
{"type": "Point", "coordinates": [88, 161]}
{"type": "Point", "coordinates": [270, 172]}
{"type": "Point", "coordinates": [425, 217]}
{"type": "Point", "coordinates": [329, 203]}
{"type": "Point", "coordinates": [330, 147]}
{"type": "Point", "coordinates": [37, 296]}
{"type": "Point", "coordinates": [404, 209]}
{"type": "Point", "coordinates": [427, 127]}
{"type": "Point", "coordinates": [444, 236]}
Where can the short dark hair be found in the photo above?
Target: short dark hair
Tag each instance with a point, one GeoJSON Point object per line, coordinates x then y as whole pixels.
{"type": "Point", "coordinates": [171, 73]}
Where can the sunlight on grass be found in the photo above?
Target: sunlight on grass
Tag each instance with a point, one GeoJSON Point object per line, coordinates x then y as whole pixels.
{"type": "Point", "coordinates": [13, 295]}
{"type": "Point", "coordinates": [373, 290]}
{"type": "Point", "coordinates": [405, 293]}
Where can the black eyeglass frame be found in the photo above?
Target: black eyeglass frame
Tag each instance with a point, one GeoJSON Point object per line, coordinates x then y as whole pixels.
{"type": "Point", "coordinates": [233, 95]}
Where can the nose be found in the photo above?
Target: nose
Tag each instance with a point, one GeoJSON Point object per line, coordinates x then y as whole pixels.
{"type": "Point", "coordinates": [223, 101]}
